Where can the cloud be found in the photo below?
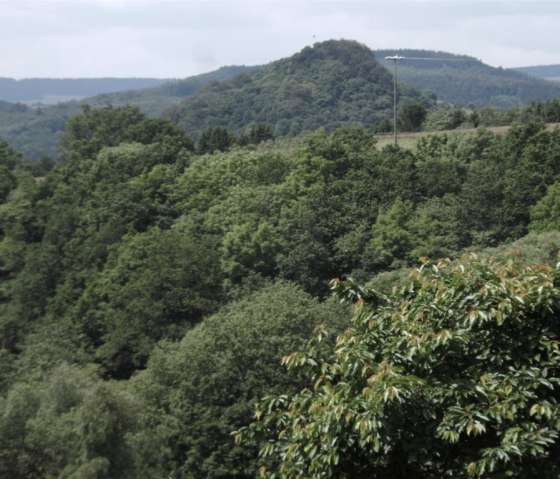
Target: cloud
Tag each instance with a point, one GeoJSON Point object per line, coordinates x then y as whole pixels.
{"type": "Point", "coordinates": [176, 38]}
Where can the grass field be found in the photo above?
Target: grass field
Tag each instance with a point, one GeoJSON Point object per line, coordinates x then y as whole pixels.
{"type": "Point", "coordinates": [408, 140]}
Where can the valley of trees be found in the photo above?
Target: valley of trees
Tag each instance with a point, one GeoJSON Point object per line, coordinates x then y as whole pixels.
{"type": "Point", "coordinates": [263, 291]}
{"type": "Point", "coordinates": [151, 285]}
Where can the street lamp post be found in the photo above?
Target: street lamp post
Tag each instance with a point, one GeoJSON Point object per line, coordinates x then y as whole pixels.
{"type": "Point", "coordinates": [395, 58]}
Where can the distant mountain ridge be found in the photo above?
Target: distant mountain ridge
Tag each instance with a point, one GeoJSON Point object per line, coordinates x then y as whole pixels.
{"type": "Point", "coordinates": [467, 81]}
{"type": "Point", "coordinates": [547, 72]}
{"type": "Point", "coordinates": [332, 84]}
{"type": "Point", "coordinates": [154, 101]}
{"type": "Point", "coordinates": [34, 130]}
{"type": "Point", "coordinates": [54, 90]}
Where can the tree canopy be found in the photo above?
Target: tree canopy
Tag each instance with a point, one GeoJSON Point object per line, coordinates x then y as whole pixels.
{"type": "Point", "coordinates": [455, 374]}
{"type": "Point", "coordinates": [148, 290]}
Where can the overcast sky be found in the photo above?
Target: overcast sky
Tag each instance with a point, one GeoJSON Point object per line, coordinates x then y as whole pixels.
{"type": "Point", "coordinates": [179, 38]}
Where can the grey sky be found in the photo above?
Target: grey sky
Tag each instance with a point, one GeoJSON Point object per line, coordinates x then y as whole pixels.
{"type": "Point", "coordinates": [179, 38]}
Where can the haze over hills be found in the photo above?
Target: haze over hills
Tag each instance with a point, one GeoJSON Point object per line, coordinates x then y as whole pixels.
{"type": "Point", "coordinates": [547, 72]}
{"type": "Point", "coordinates": [465, 80]}
{"type": "Point", "coordinates": [55, 90]}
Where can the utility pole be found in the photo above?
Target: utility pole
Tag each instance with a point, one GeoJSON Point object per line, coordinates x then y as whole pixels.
{"type": "Point", "coordinates": [395, 58]}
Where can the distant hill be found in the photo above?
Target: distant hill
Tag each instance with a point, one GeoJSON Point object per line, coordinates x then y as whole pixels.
{"type": "Point", "coordinates": [547, 72]}
{"type": "Point", "coordinates": [467, 81]}
{"type": "Point", "coordinates": [331, 84]}
{"type": "Point", "coordinates": [154, 101]}
{"type": "Point", "coordinates": [34, 130]}
{"type": "Point", "coordinates": [55, 90]}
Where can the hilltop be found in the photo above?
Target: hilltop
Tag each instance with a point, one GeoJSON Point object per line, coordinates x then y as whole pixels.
{"type": "Point", "coordinates": [465, 80]}
{"type": "Point", "coordinates": [331, 84]}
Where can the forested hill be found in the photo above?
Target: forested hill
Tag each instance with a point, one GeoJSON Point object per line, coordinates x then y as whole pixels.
{"type": "Point", "coordinates": [34, 131]}
{"type": "Point", "coordinates": [331, 84]}
{"type": "Point", "coordinates": [53, 90]}
{"type": "Point", "coordinates": [467, 81]}
{"type": "Point", "coordinates": [153, 101]}
{"type": "Point", "coordinates": [548, 72]}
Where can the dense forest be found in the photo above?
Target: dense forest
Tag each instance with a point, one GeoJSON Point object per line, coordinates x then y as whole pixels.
{"type": "Point", "coordinates": [464, 80]}
{"type": "Point", "coordinates": [150, 286]}
{"type": "Point", "coordinates": [332, 84]}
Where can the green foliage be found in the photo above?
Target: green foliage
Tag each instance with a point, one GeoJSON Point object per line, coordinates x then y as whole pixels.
{"type": "Point", "coordinates": [391, 239]}
{"type": "Point", "coordinates": [440, 173]}
{"type": "Point", "coordinates": [333, 84]}
{"type": "Point", "coordinates": [547, 111]}
{"type": "Point", "coordinates": [196, 392]}
{"type": "Point", "coordinates": [545, 215]}
{"type": "Point", "coordinates": [453, 375]}
{"type": "Point", "coordinates": [531, 249]}
{"type": "Point", "coordinates": [68, 425]}
{"type": "Point", "coordinates": [411, 117]}
{"type": "Point", "coordinates": [83, 208]}
{"type": "Point", "coordinates": [155, 285]}
{"type": "Point", "coordinates": [214, 138]}
{"type": "Point", "coordinates": [8, 161]}
{"type": "Point", "coordinates": [257, 134]}
{"type": "Point", "coordinates": [436, 228]}
{"type": "Point", "coordinates": [86, 134]}
{"type": "Point", "coordinates": [127, 246]}
{"type": "Point", "coordinates": [245, 249]}
{"type": "Point", "coordinates": [444, 118]}
{"type": "Point", "coordinates": [36, 131]}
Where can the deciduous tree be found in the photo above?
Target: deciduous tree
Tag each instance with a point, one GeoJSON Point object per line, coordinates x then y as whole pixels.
{"type": "Point", "coordinates": [454, 375]}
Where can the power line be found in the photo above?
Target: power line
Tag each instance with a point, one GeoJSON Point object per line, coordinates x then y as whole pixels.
{"type": "Point", "coordinates": [436, 59]}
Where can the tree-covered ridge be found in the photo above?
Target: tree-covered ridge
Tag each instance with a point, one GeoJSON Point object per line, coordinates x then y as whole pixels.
{"type": "Point", "coordinates": [548, 72]}
{"type": "Point", "coordinates": [34, 130]}
{"type": "Point", "coordinates": [329, 85]}
{"type": "Point", "coordinates": [147, 291]}
{"type": "Point", "coordinates": [154, 101]}
{"type": "Point", "coordinates": [467, 81]}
